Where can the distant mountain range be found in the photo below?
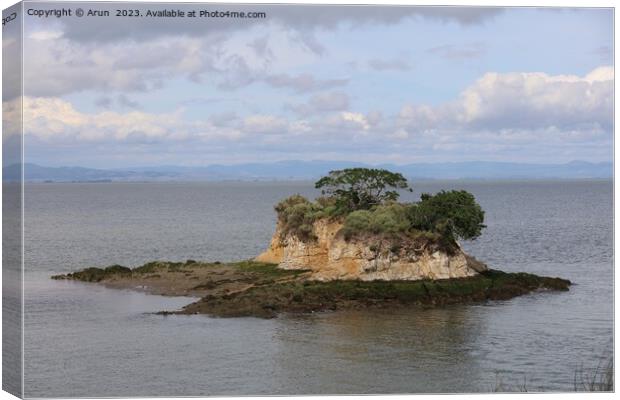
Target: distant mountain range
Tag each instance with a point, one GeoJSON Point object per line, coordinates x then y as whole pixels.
{"type": "Point", "coordinates": [303, 170]}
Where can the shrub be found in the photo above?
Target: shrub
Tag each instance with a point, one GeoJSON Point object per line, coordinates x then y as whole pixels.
{"type": "Point", "coordinates": [389, 219]}
{"type": "Point", "coordinates": [297, 216]}
{"type": "Point", "coordinates": [356, 222]}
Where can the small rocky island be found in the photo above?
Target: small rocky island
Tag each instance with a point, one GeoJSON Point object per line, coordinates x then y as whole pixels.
{"type": "Point", "coordinates": [354, 247]}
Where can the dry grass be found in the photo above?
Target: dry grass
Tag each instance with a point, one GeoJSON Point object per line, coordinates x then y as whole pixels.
{"type": "Point", "coordinates": [599, 379]}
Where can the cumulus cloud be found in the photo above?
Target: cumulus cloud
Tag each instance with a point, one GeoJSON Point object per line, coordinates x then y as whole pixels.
{"type": "Point", "coordinates": [500, 103]}
{"type": "Point", "coordinates": [497, 114]}
{"type": "Point", "coordinates": [534, 100]}
{"type": "Point", "coordinates": [348, 122]}
{"type": "Point", "coordinates": [57, 120]}
{"type": "Point", "coordinates": [54, 118]}
{"type": "Point", "coordinates": [519, 103]}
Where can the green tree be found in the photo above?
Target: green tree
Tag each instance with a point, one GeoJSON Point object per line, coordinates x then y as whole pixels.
{"type": "Point", "coordinates": [361, 188]}
{"type": "Point", "coordinates": [453, 214]}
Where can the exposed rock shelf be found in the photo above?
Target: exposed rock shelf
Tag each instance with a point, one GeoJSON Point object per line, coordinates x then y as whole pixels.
{"type": "Point", "coordinates": [263, 290]}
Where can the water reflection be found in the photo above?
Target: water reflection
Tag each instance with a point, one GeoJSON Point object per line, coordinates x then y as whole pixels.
{"type": "Point", "coordinates": [366, 351]}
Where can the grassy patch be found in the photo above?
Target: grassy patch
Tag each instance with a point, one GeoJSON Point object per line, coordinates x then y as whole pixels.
{"type": "Point", "coordinates": [95, 274]}
{"type": "Point", "coordinates": [262, 273]}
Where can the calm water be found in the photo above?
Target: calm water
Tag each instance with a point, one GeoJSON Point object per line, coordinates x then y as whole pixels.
{"type": "Point", "coordinates": [85, 340]}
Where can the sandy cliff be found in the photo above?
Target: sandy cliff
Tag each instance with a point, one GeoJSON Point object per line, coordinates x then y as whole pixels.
{"type": "Point", "coordinates": [332, 257]}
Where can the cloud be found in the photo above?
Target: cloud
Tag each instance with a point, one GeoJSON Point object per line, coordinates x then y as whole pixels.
{"type": "Point", "coordinates": [126, 102]}
{"type": "Point", "coordinates": [386, 65]}
{"type": "Point", "coordinates": [227, 62]}
{"type": "Point", "coordinates": [103, 102]}
{"type": "Point", "coordinates": [265, 124]}
{"type": "Point", "coordinates": [11, 70]}
{"type": "Point", "coordinates": [122, 102]}
{"type": "Point", "coordinates": [45, 35]}
{"type": "Point", "coordinates": [57, 119]}
{"type": "Point", "coordinates": [260, 46]}
{"type": "Point", "coordinates": [134, 67]}
{"type": "Point", "coordinates": [309, 42]}
{"type": "Point", "coordinates": [303, 82]}
{"type": "Point", "coordinates": [459, 52]}
{"type": "Point", "coordinates": [348, 122]}
{"type": "Point", "coordinates": [496, 102]}
{"type": "Point", "coordinates": [530, 114]}
{"type": "Point", "coordinates": [498, 115]}
{"type": "Point", "coordinates": [538, 100]}
{"type": "Point", "coordinates": [294, 17]}
{"type": "Point", "coordinates": [12, 117]}
{"type": "Point", "coordinates": [321, 103]}
{"type": "Point", "coordinates": [143, 54]}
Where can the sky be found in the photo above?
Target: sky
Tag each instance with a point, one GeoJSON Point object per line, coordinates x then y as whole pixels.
{"type": "Point", "coordinates": [371, 84]}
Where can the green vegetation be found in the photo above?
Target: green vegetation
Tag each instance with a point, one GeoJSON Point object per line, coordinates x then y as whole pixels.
{"type": "Point", "coordinates": [303, 296]}
{"type": "Point", "coordinates": [490, 284]}
{"type": "Point", "coordinates": [150, 269]}
{"type": "Point", "coordinates": [296, 215]}
{"type": "Point", "coordinates": [388, 220]}
{"type": "Point", "coordinates": [249, 288]}
{"type": "Point", "coordinates": [361, 188]}
{"type": "Point", "coordinates": [454, 214]}
{"type": "Point", "coordinates": [96, 274]}
{"type": "Point", "coordinates": [361, 198]}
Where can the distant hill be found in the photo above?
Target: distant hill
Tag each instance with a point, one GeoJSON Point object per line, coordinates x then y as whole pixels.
{"type": "Point", "coordinates": [37, 173]}
{"type": "Point", "coordinates": [301, 170]}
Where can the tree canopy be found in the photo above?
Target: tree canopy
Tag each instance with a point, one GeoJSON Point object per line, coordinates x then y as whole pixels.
{"type": "Point", "coordinates": [365, 201]}
{"type": "Point", "coordinates": [362, 188]}
{"type": "Point", "coordinates": [454, 214]}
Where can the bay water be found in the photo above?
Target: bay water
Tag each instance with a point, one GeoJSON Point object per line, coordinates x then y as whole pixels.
{"type": "Point", "coordinates": [84, 340]}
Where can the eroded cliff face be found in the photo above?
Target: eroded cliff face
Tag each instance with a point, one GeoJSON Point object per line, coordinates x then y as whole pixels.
{"type": "Point", "coordinates": [332, 257]}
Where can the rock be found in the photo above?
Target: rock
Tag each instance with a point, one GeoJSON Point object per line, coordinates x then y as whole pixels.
{"type": "Point", "coordinates": [332, 257]}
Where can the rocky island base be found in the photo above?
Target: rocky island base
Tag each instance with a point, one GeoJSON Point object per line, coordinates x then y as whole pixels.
{"type": "Point", "coordinates": [256, 289]}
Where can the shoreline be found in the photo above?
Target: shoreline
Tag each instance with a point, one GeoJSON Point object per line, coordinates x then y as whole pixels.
{"type": "Point", "coordinates": [254, 289]}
